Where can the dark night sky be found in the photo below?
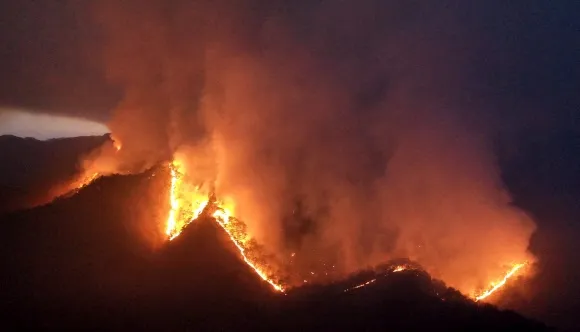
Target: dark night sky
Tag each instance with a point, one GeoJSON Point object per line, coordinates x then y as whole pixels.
{"type": "Point", "coordinates": [50, 59]}
{"type": "Point", "coordinates": [525, 61]}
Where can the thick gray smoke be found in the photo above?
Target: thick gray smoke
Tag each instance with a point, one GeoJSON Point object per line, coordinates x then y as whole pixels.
{"type": "Point", "coordinates": [340, 129]}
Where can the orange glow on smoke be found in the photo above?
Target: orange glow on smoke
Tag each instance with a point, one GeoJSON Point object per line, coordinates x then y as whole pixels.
{"type": "Point", "coordinates": [495, 286]}
{"type": "Point", "coordinates": [188, 202]}
{"type": "Point", "coordinates": [117, 144]}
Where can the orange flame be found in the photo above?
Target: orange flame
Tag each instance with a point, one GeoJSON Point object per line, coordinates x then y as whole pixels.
{"type": "Point", "coordinates": [361, 285]}
{"type": "Point", "coordinates": [174, 206]}
{"type": "Point", "coordinates": [186, 203]}
{"type": "Point", "coordinates": [497, 285]}
{"type": "Point", "coordinates": [117, 144]}
{"type": "Point", "coordinates": [80, 184]}
{"type": "Point", "coordinates": [241, 239]}
{"type": "Point", "coordinates": [181, 215]}
{"type": "Point", "coordinates": [399, 268]}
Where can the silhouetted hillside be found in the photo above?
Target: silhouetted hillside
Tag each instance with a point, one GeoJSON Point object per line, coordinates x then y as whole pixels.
{"type": "Point", "coordinates": [31, 167]}
{"type": "Point", "coordinates": [86, 262]}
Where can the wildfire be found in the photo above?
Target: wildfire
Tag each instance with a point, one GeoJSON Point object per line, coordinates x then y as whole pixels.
{"type": "Point", "coordinates": [244, 244]}
{"type": "Point", "coordinates": [188, 203]}
{"type": "Point", "coordinates": [361, 285]}
{"type": "Point", "coordinates": [79, 184]}
{"type": "Point", "coordinates": [174, 206]}
{"type": "Point", "coordinates": [399, 268]}
{"type": "Point", "coordinates": [116, 143]}
{"type": "Point", "coordinates": [497, 285]}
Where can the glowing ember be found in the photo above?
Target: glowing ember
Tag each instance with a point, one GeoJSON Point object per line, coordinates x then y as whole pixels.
{"type": "Point", "coordinates": [497, 285]}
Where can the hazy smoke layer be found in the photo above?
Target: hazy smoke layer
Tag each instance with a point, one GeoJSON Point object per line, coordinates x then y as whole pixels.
{"type": "Point", "coordinates": [342, 130]}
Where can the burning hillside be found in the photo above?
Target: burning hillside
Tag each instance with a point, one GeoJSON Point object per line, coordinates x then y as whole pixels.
{"type": "Point", "coordinates": [314, 176]}
{"type": "Point", "coordinates": [315, 161]}
{"type": "Point", "coordinates": [86, 264]}
{"type": "Point", "coordinates": [189, 202]}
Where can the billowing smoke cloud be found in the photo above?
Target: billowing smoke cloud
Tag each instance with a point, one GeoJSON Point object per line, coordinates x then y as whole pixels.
{"type": "Point", "coordinates": [343, 131]}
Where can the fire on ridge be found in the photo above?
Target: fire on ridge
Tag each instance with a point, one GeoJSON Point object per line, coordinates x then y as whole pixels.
{"type": "Point", "coordinates": [495, 286]}
{"type": "Point", "coordinates": [188, 202]}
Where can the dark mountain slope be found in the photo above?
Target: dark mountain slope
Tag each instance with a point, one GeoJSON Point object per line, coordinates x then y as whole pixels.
{"type": "Point", "coordinates": [29, 168]}
{"type": "Point", "coordinates": [87, 259]}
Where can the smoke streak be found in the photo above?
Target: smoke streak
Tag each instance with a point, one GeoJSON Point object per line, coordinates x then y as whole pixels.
{"type": "Point", "coordinates": [340, 130]}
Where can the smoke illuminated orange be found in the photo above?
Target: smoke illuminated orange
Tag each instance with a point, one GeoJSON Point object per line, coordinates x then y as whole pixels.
{"type": "Point", "coordinates": [188, 202]}
{"type": "Point", "coordinates": [497, 285]}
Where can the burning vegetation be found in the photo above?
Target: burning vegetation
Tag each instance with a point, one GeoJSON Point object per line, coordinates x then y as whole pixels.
{"type": "Point", "coordinates": [497, 285]}
{"type": "Point", "coordinates": [188, 202]}
{"type": "Point", "coordinates": [313, 176]}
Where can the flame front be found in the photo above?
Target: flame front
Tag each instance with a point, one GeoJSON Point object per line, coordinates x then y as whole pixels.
{"type": "Point", "coordinates": [361, 285]}
{"type": "Point", "coordinates": [394, 269]}
{"type": "Point", "coordinates": [399, 268]}
{"type": "Point", "coordinates": [174, 206]}
{"type": "Point", "coordinates": [497, 285]}
{"type": "Point", "coordinates": [244, 244]}
{"type": "Point", "coordinates": [187, 203]}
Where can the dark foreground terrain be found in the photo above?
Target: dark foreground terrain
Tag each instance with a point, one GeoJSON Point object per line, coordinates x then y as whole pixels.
{"type": "Point", "coordinates": [87, 262]}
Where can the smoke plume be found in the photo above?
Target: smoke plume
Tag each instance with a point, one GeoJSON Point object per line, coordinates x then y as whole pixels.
{"type": "Point", "coordinates": [343, 131]}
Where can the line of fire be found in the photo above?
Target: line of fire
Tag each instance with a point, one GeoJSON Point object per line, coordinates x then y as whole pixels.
{"type": "Point", "coordinates": [189, 202]}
